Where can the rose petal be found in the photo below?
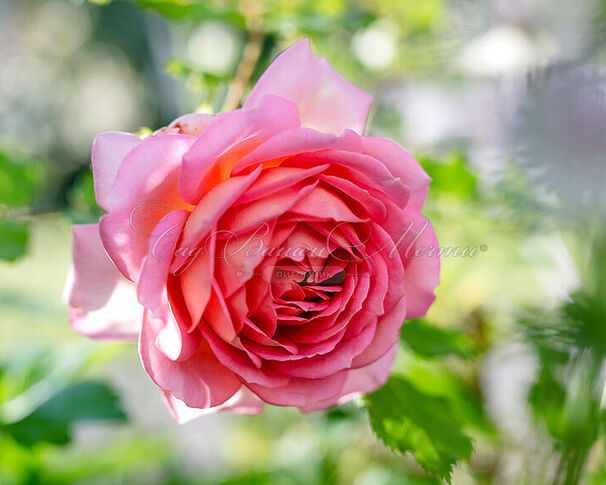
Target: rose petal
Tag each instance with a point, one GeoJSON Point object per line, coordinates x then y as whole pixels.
{"type": "Point", "coordinates": [192, 124]}
{"type": "Point", "coordinates": [212, 206]}
{"type": "Point", "coordinates": [359, 382]}
{"type": "Point", "coordinates": [301, 392]}
{"type": "Point", "coordinates": [411, 232]}
{"type": "Point", "coordinates": [242, 402]}
{"type": "Point", "coordinates": [109, 150]}
{"type": "Point", "coordinates": [145, 190]}
{"type": "Point", "coordinates": [200, 381]}
{"type": "Point", "coordinates": [151, 288]}
{"type": "Point", "coordinates": [401, 164]}
{"type": "Point", "coordinates": [326, 100]}
{"type": "Point", "coordinates": [387, 331]}
{"type": "Point", "coordinates": [103, 302]}
{"type": "Point", "coordinates": [299, 140]}
{"type": "Point", "coordinates": [228, 139]}
{"type": "Point", "coordinates": [422, 272]}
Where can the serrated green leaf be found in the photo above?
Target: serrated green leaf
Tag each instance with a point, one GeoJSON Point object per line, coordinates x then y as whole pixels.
{"type": "Point", "coordinates": [408, 420]}
{"type": "Point", "coordinates": [431, 341]}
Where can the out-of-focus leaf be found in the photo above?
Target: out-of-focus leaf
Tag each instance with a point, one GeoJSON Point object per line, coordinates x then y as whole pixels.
{"type": "Point", "coordinates": [451, 175]}
{"type": "Point", "coordinates": [19, 179]}
{"type": "Point", "coordinates": [118, 461]}
{"type": "Point", "coordinates": [547, 397]}
{"type": "Point", "coordinates": [52, 421]}
{"type": "Point", "coordinates": [83, 206]}
{"type": "Point", "coordinates": [527, 205]}
{"type": "Point", "coordinates": [586, 317]}
{"type": "Point", "coordinates": [341, 413]}
{"type": "Point", "coordinates": [577, 326]}
{"type": "Point", "coordinates": [13, 239]}
{"type": "Point", "coordinates": [316, 23]}
{"type": "Point", "coordinates": [570, 344]}
{"type": "Point", "coordinates": [408, 420]}
{"type": "Point", "coordinates": [413, 16]}
{"type": "Point", "coordinates": [22, 369]}
{"type": "Point", "coordinates": [430, 341]}
{"type": "Point", "coordinates": [193, 10]}
{"type": "Point", "coordinates": [436, 378]}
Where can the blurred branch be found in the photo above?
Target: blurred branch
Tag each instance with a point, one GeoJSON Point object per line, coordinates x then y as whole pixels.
{"type": "Point", "coordinates": [253, 15]}
{"type": "Point", "coordinates": [250, 56]}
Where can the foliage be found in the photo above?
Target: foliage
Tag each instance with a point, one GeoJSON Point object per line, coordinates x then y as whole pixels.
{"type": "Point", "coordinates": [52, 421]}
{"type": "Point", "coordinates": [20, 179]}
{"type": "Point", "coordinates": [431, 341]}
{"type": "Point", "coordinates": [408, 420]}
{"type": "Point", "coordinates": [451, 175]}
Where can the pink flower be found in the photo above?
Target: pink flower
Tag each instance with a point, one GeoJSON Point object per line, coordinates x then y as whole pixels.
{"type": "Point", "coordinates": [266, 255]}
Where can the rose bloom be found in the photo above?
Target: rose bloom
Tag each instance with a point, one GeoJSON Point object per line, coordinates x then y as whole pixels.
{"type": "Point", "coordinates": [265, 255]}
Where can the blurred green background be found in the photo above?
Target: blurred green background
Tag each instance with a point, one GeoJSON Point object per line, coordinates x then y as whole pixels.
{"type": "Point", "coordinates": [504, 104]}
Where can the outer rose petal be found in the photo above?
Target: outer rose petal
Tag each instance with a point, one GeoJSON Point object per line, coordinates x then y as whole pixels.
{"type": "Point", "coordinates": [403, 165]}
{"type": "Point", "coordinates": [145, 190]}
{"type": "Point", "coordinates": [242, 402]}
{"type": "Point", "coordinates": [151, 287]}
{"type": "Point", "coordinates": [109, 149]}
{"type": "Point", "coordinates": [326, 100]}
{"type": "Point", "coordinates": [103, 302]}
{"type": "Point", "coordinates": [192, 124]}
{"type": "Point", "coordinates": [422, 273]}
{"type": "Point", "coordinates": [359, 382]}
{"type": "Point", "coordinates": [388, 329]}
{"type": "Point", "coordinates": [200, 381]}
{"type": "Point", "coordinates": [301, 392]}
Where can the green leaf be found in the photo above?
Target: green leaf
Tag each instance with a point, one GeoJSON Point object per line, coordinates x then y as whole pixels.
{"type": "Point", "coordinates": [13, 240]}
{"type": "Point", "coordinates": [451, 176]}
{"type": "Point", "coordinates": [52, 421]}
{"type": "Point", "coordinates": [195, 10]}
{"type": "Point", "coordinates": [83, 208]}
{"type": "Point", "coordinates": [436, 378]}
{"type": "Point", "coordinates": [431, 341]}
{"type": "Point", "coordinates": [547, 397]}
{"type": "Point", "coordinates": [408, 420]}
{"type": "Point", "coordinates": [19, 178]}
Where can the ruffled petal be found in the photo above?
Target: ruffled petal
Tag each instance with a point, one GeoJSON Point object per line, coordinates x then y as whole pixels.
{"type": "Point", "coordinates": [242, 402]}
{"type": "Point", "coordinates": [192, 124]}
{"type": "Point", "coordinates": [359, 382]}
{"type": "Point", "coordinates": [144, 192]}
{"type": "Point", "coordinates": [387, 331]}
{"type": "Point", "coordinates": [402, 165]}
{"type": "Point", "coordinates": [422, 267]}
{"type": "Point", "coordinates": [228, 139]}
{"type": "Point", "coordinates": [103, 303]}
{"type": "Point", "coordinates": [326, 100]}
{"type": "Point", "coordinates": [109, 150]}
{"type": "Point", "coordinates": [201, 381]}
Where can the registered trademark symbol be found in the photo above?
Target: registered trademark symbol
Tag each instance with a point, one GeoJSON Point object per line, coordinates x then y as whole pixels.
{"type": "Point", "coordinates": [483, 247]}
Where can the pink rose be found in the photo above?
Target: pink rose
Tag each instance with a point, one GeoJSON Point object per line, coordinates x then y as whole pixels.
{"type": "Point", "coordinates": [266, 255]}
